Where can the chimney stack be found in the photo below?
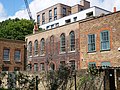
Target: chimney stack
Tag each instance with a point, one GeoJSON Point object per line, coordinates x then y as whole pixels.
{"type": "Point", "coordinates": [35, 28]}
{"type": "Point", "coordinates": [85, 4]}
{"type": "Point", "coordinates": [114, 9]}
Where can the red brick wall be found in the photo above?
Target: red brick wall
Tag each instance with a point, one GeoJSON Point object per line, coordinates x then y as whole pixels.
{"type": "Point", "coordinates": [95, 26]}
{"type": "Point", "coordinates": [12, 45]}
{"type": "Point", "coordinates": [57, 56]}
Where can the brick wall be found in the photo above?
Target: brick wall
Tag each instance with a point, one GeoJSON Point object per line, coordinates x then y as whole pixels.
{"type": "Point", "coordinates": [12, 46]}
{"type": "Point", "coordinates": [95, 26]}
{"type": "Point", "coordinates": [56, 57]}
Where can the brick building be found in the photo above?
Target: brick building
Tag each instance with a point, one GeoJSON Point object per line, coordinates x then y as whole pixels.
{"type": "Point", "coordinates": [59, 10]}
{"type": "Point", "coordinates": [91, 40]}
{"type": "Point", "coordinates": [12, 55]}
{"type": "Point", "coordinates": [47, 50]}
{"type": "Point", "coordinates": [100, 41]}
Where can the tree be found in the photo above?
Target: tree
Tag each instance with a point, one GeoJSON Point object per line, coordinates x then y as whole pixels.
{"type": "Point", "coordinates": [15, 29]}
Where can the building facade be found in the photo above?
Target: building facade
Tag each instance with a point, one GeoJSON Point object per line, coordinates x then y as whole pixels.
{"type": "Point", "coordinates": [12, 55]}
{"type": "Point", "coordinates": [48, 50]}
{"type": "Point", "coordinates": [58, 11]}
{"type": "Point", "coordinates": [100, 41]}
{"type": "Point", "coordinates": [91, 41]}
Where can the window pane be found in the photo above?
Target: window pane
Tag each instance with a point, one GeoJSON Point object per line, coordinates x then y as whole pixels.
{"type": "Point", "coordinates": [5, 69]}
{"type": "Point", "coordinates": [42, 67]}
{"type": "Point", "coordinates": [30, 49]}
{"type": "Point", "coordinates": [6, 54]}
{"type": "Point", "coordinates": [105, 44]}
{"type": "Point", "coordinates": [35, 47]}
{"type": "Point", "coordinates": [91, 42]}
{"type": "Point", "coordinates": [62, 43]}
{"type": "Point", "coordinates": [17, 55]}
{"type": "Point", "coordinates": [72, 41]}
{"type": "Point", "coordinates": [38, 19]}
{"type": "Point", "coordinates": [64, 12]}
{"type": "Point", "coordinates": [106, 64]}
{"type": "Point", "coordinates": [42, 47]}
{"type": "Point", "coordinates": [35, 67]}
{"type": "Point", "coordinates": [43, 18]}
{"type": "Point", "coordinates": [52, 66]}
{"type": "Point", "coordinates": [55, 14]}
{"type": "Point", "coordinates": [50, 15]}
{"type": "Point", "coordinates": [92, 64]}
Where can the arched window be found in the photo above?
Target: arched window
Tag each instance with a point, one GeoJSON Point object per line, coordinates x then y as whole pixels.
{"type": "Point", "coordinates": [36, 47]}
{"type": "Point", "coordinates": [52, 66]}
{"type": "Point", "coordinates": [62, 42]}
{"type": "Point", "coordinates": [42, 46]}
{"type": "Point", "coordinates": [52, 44]}
{"type": "Point", "coordinates": [30, 48]}
{"type": "Point", "coordinates": [72, 41]}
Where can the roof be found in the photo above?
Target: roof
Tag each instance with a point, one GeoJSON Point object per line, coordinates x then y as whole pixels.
{"type": "Point", "coordinates": [11, 40]}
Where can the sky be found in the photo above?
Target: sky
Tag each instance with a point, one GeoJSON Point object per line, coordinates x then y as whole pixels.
{"type": "Point", "coordinates": [17, 8]}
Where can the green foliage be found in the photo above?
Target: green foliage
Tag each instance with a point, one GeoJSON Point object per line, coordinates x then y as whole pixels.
{"type": "Point", "coordinates": [15, 28]}
{"type": "Point", "coordinates": [59, 78]}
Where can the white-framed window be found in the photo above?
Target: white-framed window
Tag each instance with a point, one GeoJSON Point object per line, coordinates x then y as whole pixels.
{"type": "Point", "coordinates": [52, 66]}
{"type": "Point", "coordinates": [6, 54]}
{"type": "Point", "coordinates": [72, 41]}
{"type": "Point", "coordinates": [35, 66]}
{"type": "Point", "coordinates": [62, 42]}
{"type": "Point", "coordinates": [30, 48]}
{"type": "Point", "coordinates": [91, 43]}
{"type": "Point", "coordinates": [105, 40]}
{"type": "Point", "coordinates": [17, 55]}
{"type": "Point", "coordinates": [36, 47]}
{"type": "Point", "coordinates": [42, 66]}
{"type": "Point", "coordinates": [42, 46]}
{"type": "Point", "coordinates": [52, 44]}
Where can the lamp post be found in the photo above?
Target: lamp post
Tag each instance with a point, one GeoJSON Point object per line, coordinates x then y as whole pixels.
{"type": "Point", "coordinates": [74, 75]}
{"type": "Point", "coordinates": [36, 82]}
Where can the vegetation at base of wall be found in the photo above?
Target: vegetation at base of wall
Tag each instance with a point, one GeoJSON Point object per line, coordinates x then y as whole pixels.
{"type": "Point", "coordinates": [61, 79]}
{"type": "Point", "coordinates": [4, 89]}
{"type": "Point", "coordinates": [15, 29]}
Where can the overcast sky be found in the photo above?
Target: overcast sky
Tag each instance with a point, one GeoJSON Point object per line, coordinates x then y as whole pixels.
{"type": "Point", "coordinates": [16, 8]}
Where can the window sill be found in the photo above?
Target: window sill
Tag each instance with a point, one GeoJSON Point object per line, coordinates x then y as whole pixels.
{"type": "Point", "coordinates": [71, 51]}
{"type": "Point", "coordinates": [62, 52]}
{"type": "Point", "coordinates": [6, 60]}
{"type": "Point", "coordinates": [42, 55]}
{"type": "Point", "coordinates": [35, 55]}
{"type": "Point", "coordinates": [91, 51]}
{"type": "Point", "coordinates": [17, 60]}
{"type": "Point", "coordinates": [105, 50]}
{"type": "Point", "coordinates": [30, 56]}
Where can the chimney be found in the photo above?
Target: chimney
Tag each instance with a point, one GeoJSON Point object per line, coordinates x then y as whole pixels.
{"type": "Point", "coordinates": [114, 9]}
{"type": "Point", "coordinates": [85, 4]}
{"type": "Point", "coordinates": [35, 28]}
